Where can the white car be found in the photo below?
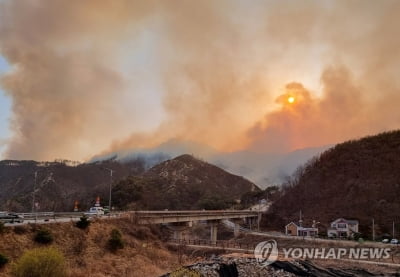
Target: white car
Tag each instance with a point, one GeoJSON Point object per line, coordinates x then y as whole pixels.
{"type": "Point", "coordinates": [95, 211]}
{"type": "Point", "coordinates": [385, 240]}
{"type": "Point", "coordinates": [394, 241]}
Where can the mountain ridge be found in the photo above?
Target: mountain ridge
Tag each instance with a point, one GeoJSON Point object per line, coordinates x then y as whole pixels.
{"type": "Point", "coordinates": [185, 182]}
{"type": "Point", "coordinates": [356, 179]}
{"type": "Point", "coordinates": [265, 169]}
{"type": "Point", "coordinates": [59, 184]}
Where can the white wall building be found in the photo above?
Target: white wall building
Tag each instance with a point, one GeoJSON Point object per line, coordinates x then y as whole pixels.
{"type": "Point", "coordinates": [343, 228]}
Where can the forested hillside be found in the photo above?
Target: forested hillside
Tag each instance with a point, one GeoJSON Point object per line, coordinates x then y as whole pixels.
{"type": "Point", "coordinates": [358, 179]}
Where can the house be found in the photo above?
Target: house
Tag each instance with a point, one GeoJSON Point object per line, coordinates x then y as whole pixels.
{"type": "Point", "coordinates": [293, 229]}
{"type": "Point", "coordinates": [343, 228]}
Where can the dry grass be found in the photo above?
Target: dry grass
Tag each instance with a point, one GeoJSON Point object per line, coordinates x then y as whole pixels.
{"type": "Point", "coordinates": [86, 250]}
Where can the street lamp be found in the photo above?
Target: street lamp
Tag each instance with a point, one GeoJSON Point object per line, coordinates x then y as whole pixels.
{"type": "Point", "coordinates": [393, 230]}
{"type": "Point", "coordinates": [111, 180]}
{"type": "Point", "coordinates": [33, 193]}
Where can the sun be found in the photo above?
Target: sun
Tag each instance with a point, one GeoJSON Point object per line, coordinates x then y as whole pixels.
{"type": "Point", "coordinates": [291, 99]}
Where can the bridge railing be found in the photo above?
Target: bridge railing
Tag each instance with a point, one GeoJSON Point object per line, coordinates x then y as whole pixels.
{"type": "Point", "coordinates": [143, 215]}
{"type": "Point", "coordinates": [197, 211]}
{"type": "Point", "coordinates": [226, 213]}
{"type": "Point", "coordinates": [219, 243]}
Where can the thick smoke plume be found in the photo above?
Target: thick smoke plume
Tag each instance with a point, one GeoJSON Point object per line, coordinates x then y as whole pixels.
{"type": "Point", "coordinates": [104, 75]}
{"type": "Point", "coordinates": [340, 113]}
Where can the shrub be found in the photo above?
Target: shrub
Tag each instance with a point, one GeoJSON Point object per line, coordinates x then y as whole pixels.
{"type": "Point", "coordinates": [43, 236]}
{"type": "Point", "coordinates": [115, 242]}
{"type": "Point", "coordinates": [142, 233]}
{"type": "Point", "coordinates": [40, 262]}
{"type": "Point", "coordinates": [357, 236]}
{"type": "Point", "coordinates": [3, 260]}
{"type": "Point", "coordinates": [83, 223]}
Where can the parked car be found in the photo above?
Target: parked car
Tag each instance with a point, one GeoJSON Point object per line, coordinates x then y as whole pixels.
{"type": "Point", "coordinates": [385, 240]}
{"type": "Point", "coordinates": [106, 210]}
{"type": "Point", "coordinates": [11, 218]}
{"type": "Point", "coordinates": [394, 241]}
{"type": "Point", "coordinates": [95, 211]}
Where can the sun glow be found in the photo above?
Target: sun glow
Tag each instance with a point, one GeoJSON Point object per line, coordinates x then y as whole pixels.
{"type": "Point", "coordinates": [291, 99]}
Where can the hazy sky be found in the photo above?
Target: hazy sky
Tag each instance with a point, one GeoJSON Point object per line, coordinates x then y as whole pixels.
{"type": "Point", "coordinates": [89, 77]}
{"type": "Point", "coordinates": [5, 109]}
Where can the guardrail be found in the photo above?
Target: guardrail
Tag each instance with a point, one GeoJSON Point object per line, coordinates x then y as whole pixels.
{"type": "Point", "coordinates": [190, 213]}
{"type": "Point", "coordinates": [158, 217]}
{"type": "Point", "coordinates": [41, 214]}
{"type": "Point", "coordinates": [50, 214]}
{"type": "Point", "coordinates": [218, 243]}
{"type": "Point", "coordinates": [150, 212]}
{"type": "Point", "coordinates": [196, 211]}
{"type": "Point", "coordinates": [149, 215]}
{"type": "Point", "coordinates": [44, 215]}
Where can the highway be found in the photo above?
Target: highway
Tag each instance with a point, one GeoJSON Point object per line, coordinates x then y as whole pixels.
{"type": "Point", "coordinates": [42, 221]}
{"type": "Point", "coordinates": [141, 217]}
{"type": "Point", "coordinates": [50, 217]}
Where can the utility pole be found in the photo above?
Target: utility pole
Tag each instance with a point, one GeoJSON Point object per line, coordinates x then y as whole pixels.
{"type": "Point", "coordinates": [300, 220]}
{"type": "Point", "coordinates": [373, 229]}
{"type": "Point", "coordinates": [393, 230]}
{"type": "Point", "coordinates": [109, 198]}
{"type": "Point", "coordinates": [33, 193]}
{"type": "Point", "coordinates": [259, 215]}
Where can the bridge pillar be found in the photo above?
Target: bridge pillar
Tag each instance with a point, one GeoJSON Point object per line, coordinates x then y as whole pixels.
{"type": "Point", "coordinates": [178, 228]}
{"type": "Point", "coordinates": [178, 234]}
{"type": "Point", "coordinates": [251, 222]}
{"type": "Point", "coordinates": [214, 230]}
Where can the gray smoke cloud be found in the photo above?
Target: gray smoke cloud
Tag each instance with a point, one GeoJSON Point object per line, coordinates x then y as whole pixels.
{"type": "Point", "coordinates": [104, 76]}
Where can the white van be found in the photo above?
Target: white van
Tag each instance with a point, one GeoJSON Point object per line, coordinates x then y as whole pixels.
{"type": "Point", "coordinates": [95, 211]}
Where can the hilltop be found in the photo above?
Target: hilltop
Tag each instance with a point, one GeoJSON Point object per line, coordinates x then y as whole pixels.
{"type": "Point", "coordinates": [358, 179]}
{"type": "Point", "coordinates": [186, 169]}
{"type": "Point", "coordinates": [263, 168]}
{"type": "Point", "coordinates": [178, 183]}
{"type": "Point", "coordinates": [58, 184]}
{"type": "Point", "coordinates": [183, 183]}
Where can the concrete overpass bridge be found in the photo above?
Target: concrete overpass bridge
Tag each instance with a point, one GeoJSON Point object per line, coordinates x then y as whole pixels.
{"type": "Point", "coordinates": [179, 221]}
